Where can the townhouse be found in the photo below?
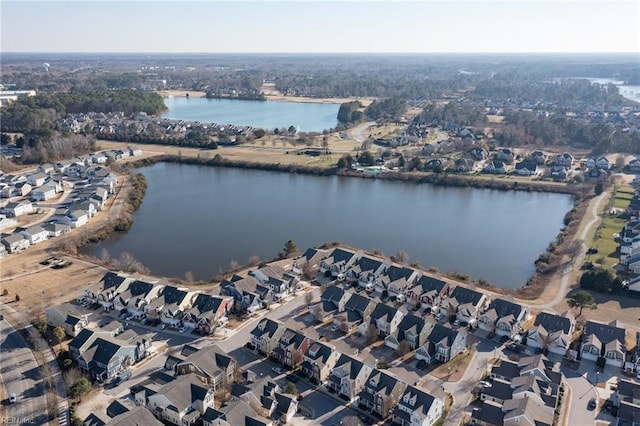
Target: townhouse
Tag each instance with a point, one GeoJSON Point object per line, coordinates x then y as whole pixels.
{"type": "Point", "coordinates": [503, 317]}
{"type": "Point", "coordinates": [291, 348]}
{"type": "Point", "coordinates": [417, 408]}
{"type": "Point", "coordinates": [348, 377]}
{"type": "Point", "coordinates": [551, 332]}
{"type": "Point", "coordinates": [606, 341]}
{"type": "Point", "coordinates": [182, 401]}
{"type": "Point", "coordinates": [212, 366]}
{"type": "Point", "coordinates": [381, 393]}
{"type": "Point", "coordinates": [318, 362]}
{"type": "Point", "coordinates": [266, 335]}
{"type": "Point", "coordinates": [169, 305]}
{"type": "Point", "coordinates": [134, 296]}
{"type": "Point", "coordinates": [67, 317]}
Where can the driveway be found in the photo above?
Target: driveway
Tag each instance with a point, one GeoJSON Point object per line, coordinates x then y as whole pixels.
{"type": "Point", "coordinates": [21, 375]}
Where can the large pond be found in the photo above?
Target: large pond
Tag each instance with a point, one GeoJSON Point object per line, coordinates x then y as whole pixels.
{"type": "Point", "coordinates": [200, 219]}
{"type": "Point", "coordinates": [304, 116]}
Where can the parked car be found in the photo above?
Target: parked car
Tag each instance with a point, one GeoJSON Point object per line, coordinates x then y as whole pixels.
{"type": "Point", "coordinates": [12, 398]}
{"type": "Point", "coordinates": [421, 364]}
{"type": "Point", "coordinates": [293, 378]}
{"type": "Point", "coordinates": [504, 339]}
{"type": "Point", "coordinates": [182, 329]}
{"type": "Point", "coordinates": [277, 370]}
{"type": "Point", "coordinates": [439, 316]}
{"type": "Point", "coordinates": [163, 326]}
{"type": "Point", "coordinates": [334, 328]}
{"type": "Point", "coordinates": [382, 365]}
{"type": "Point", "coordinates": [592, 404]}
{"type": "Point", "coordinates": [123, 377]}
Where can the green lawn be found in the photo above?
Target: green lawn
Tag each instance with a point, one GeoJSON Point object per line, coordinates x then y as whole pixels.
{"type": "Point", "coordinates": [604, 240]}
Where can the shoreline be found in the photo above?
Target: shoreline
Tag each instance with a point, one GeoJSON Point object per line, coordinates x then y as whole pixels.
{"type": "Point", "coordinates": [270, 97]}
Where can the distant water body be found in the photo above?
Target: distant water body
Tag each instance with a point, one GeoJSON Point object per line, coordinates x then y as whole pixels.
{"type": "Point", "coordinates": [304, 116]}
{"type": "Point", "coordinates": [199, 219]}
{"type": "Point", "coordinates": [630, 92]}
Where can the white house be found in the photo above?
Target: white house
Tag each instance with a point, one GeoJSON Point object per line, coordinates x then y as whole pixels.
{"type": "Point", "coordinates": [5, 222]}
{"type": "Point", "coordinates": [15, 243]}
{"type": "Point", "coordinates": [37, 179]}
{"type": "Point", "coordinates": [99, 158]}
{"type": "Point", "coordinates": [417, 408]}
{"type": "Point", "coordinates": [35, 234]}
{"type": "Point", "coordinates": [18, 209]}
{"type": "Point", "coordinates": [44, 193]}
{"type": "Point", "coordinates": [551, 332]}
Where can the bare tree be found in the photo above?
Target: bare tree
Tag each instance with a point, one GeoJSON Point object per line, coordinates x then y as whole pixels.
{"type": "Point", "coordinates": [52, 404]}
{"type": "Point", "coordinates": [308, 298]}
{"type": "Point", "coordinates": [403, 348]}
{"type": "Point", "coordinates": [400, 257]}
{"type": "Point", "coordinates": [105, 258]}
{"type": "Point", "coordinates": [189, 276]}
{"type": "Point", "coordinates": [307, 271]}
{"type": "Point", "coordinates": [575, 248]}
{"type": "Point", "coordinates": [372, 333]}
{"type": "Point", "coordinates": [70, 376]}
{"type": "Point", "coordinates": [620, 161]}
{"type": "Point", "coordinates": [254, 260]}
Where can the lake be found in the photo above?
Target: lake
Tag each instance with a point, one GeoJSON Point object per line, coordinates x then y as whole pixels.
{"type": "Point", "coordinates": [629, 92]}
{"type": "Point", "coordinates": [199, 219]}
{"type": "Point", "coordinates": [304, 116]}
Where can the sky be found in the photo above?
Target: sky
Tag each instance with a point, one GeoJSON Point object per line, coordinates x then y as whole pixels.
{"type": "Point", "coordinates": [385, 26]}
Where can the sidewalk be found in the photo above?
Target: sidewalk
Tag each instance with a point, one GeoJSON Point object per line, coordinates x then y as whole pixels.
{"type": "Point", "coordinates": [22, 323]}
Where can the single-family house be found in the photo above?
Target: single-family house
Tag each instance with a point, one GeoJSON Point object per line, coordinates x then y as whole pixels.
{"type": "Point", "coordinates": [35, 234]}
{"type": "Point", "coordinates": [559, 172]}
{"type": "Point", "coordinates": [366, 271]}
{"type": "Point", "coordinates": [564, 159]}
{"type": "Point", "coordinates": [67, 317]}
{"type": "Point", "coordinates": [247, 292]}
{"type": "Point", "coordinates": [463, 303]}
{"type": "Point", "coordinates": [606, 341]}
{"type": "Point", "coordinates": [37, 179]}
{"type": "Point", "coordinates": [266, 335]}
{"type": "Point", "coordinates": [634, 166]}
{"type": "Point", "coordinates": [44, 193]}
{"type": "Point", "coordinates": [397, 279]}
{"type": "Point", "coordinates": [495, 167]}
{"type": "Point", "coordinates": [386, 319]}
{"type": "Point", "coordinates": [332, 301]}
{"type": "Point", "coordinates": [291, 348]}
{"type": "Point", "coordinates": [381, 393]}
{"type": "Point", "coordinates": [15, 243]}
{"type": "Point", "coordinates": [627, 399]}
{"type": "Point", "coordinates": [463, 165]}
{"type": "Point", "coordinates": [428, 292]}
{"type": "Point", "coordinates": [22, 189]}
{"type": "Point", "coordinates": [169, 305]}
{"type": "Point", "coordinates": [478, 153]}
{"type": "Point", "coordinates": [56, 229]}
{"type": "Point", "coordinates": [538, 157]}
{"type": "Point", "coordinates": [348, 377]}
{"type": "Point", "coordinates": [309, 261]}
{"type": "Point", "coordinates": [506, 155]}
{"type": "Point", "coordinates": [503, 317]}
{"type": "Point", "coordinates": [412, 329]}
{"type": "Point", "coordinates": [235, 412]}
{"type": "Point", "coordinates": [338, 262]}
{"type": "Point", "coordinates": [105, 290]}
{"type": "Point", "coordinates": [6, 222]}
{"type": "Point", "coordinates": [276, 278]}
{"type": "Point", "coordinates": [526, 411]}
{"type": "Point", "coordinates": [207, 312]}
{"type": "Point", "coordinates": [134, 297]}
{"type": "Point", "coordinates": [551, 332]}
{"type": "Point", "coordinates": [212, 366]}
{"type": "Point", "coordinates": [357, 312]}
{"type": "Point", "coordinates": [526, 168]}
{"type": "Point", "coordinates": [182, 401]}
{"type": "Point", "coordinates": [318, 361]}
{"type": "Point", "coordinates": [137, 416]}
{"type": "Point", "coordinates": [99, 158]}
{"type": "Point", "coordinates": [47, 169]}
{"type": "Point", "coordinates": [15, 209]}
{"type": "Point", "coordinates": [443, 344]}
{"type": "Point", "coordinates": [417, 408]}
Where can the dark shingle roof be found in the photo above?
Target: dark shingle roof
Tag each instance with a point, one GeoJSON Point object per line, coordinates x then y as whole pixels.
{"type": "Point", "coordinates": [440, 333]}
{"type": "Point", "coordinates": [505, 308]}
{"type": "Point", "coordinates": [383, 311]}
{"type": "Point", "coordinates": [553, 322]}
{"type": "Point", "coordinates": [465, 295]}
{"type": "Point", "coordinates": [604, 332]}
{"type": "Point", "coordinates": [418, 400]}
{"type": "Point", "coordinates": [111, 279]}
{"type": "Point", "coordinates": [357, 302]}
{"type": "Point", "coordinates": [394, 272]}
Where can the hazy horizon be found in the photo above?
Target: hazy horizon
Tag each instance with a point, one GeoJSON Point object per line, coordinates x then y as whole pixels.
{"type": "Point", "coordinates": [312, 27]}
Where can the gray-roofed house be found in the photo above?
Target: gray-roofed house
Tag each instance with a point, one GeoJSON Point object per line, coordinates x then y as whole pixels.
{"type": "Point", "coordinates": [170, 305]}
{"type": "Point", "coordinates": [211, 365]}
{"type": "Point", "coordinates": [366, 271]}
{"type": "Point", "coordinates": [56, 229]}
{"type": "Point", "coordinates": [443, 344]}
{"type": "Point", "coordinates": [332, 301]}
{"type": "Point", "coordinates": [310, 260]}
{"type": "Point", "coordinates": [428, 292]}
{"type": "Point", "coordinates": [207, 312]}
{"type": "Point", "coordinates": [464, 303]}
{"type": "Point", "coordinates": [15, 209]}
{"type": "Point", "coordinates": [348, 377]}
{"type": "Point", "coordinates": [235, 413]}
{"type": "Point", "coordinates": [15, 243]}
{"type": "Point", "coordinates": [318, 361]}
{"type": "Point", "coordinates": [604, 340]}
{"type": "Point", "coordinates": [386, 319]}
{"type": "Point", "coordinates": [381, 393]}
{"type": "Point", "coordinates": [266, 335]}
{"type": "Point", "coordinates": [67, 317]}
{"type": "Point", "coordinates": [338, 262]}
{"type": "Point", "coordinates": [523, 411]}
{"type": "Point", "coordinates": [416, 407]}
{"type": "Point", "coordinates": [35, 234]}
{"type": "Point", "coordinates": [627, 399]}
{"type": "Point", "coordinates": [503, 317]}
{"type": "Point", "coordinates": [37, 179]}
{"type": "Point", "coordinates": [44, 193]}
{"type": "Point", "coordinates": [357, 312]}
{"type": "Point", "coordinates": [412, 329]}
{"type": "Point", "coordinates": [551, 332]}
{"type": "Point", "coordinates": [291, 348]}
{"type": "Point", "coordinates": [105, 290]}
{"type": "Point", "coordinates": [136, 296]}
{"type": "Point", "coordinates": [182, 401]}
{"type": "Point", "coordinates": [137, 416]}
{"type": "Point", "coordinates": [397, 279]}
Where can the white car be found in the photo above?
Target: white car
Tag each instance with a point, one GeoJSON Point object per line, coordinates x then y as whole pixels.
{"type": "Point", "coordinates": [334, 328]}
{"type": "Point", "coordinates": [439, 316]}
{"type": "Point", "coordinates": [638, 375]}
{"type": "Point", "coordinates": [12, 398]}
{"type": "Point", "coordinates": [182, 329]}
{"type": "Point", "coordinates": [277, 370]}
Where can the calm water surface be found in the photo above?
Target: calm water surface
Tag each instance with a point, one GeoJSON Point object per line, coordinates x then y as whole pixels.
{"type": "Point", "coordinates": [306, 117]}
{"type": "Point", "coordinates": [199, 219]}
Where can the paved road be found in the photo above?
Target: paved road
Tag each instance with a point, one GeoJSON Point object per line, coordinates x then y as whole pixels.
{"type": "Point", "coordinates": [21, 375]}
